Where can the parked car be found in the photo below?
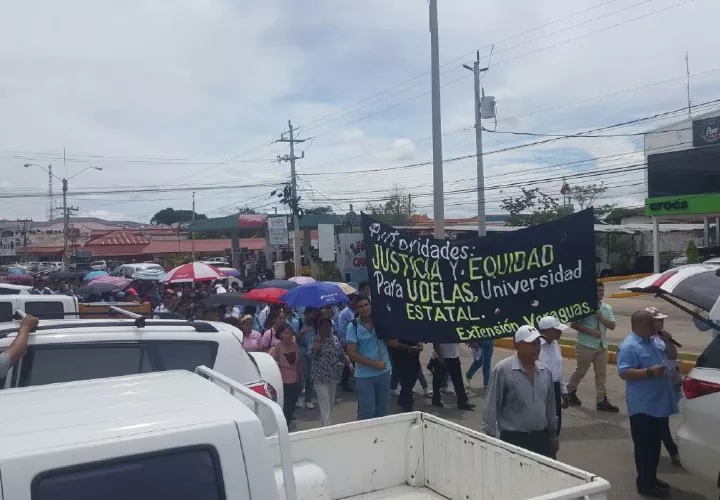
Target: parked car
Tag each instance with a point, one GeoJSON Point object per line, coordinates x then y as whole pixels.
{"type": "Point", "coordinates": [699, 435]}
{"type": "Point", "coordinates": [99, 265]}
{"type": "Point", "coordinates": [179, 435]}
{"type": "Point", "coordinates": [80, 267]}
{"type": "Point", "coordinates": [67, 350]}
{"type": "Point", "coordinates": [129, 270]}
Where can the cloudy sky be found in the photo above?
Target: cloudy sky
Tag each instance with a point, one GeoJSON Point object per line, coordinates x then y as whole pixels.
{"type": "Point", "coordinates": [171, 96]}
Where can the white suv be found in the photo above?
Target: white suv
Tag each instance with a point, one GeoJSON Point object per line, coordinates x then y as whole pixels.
{"type": "Point", "coordinates": [699, 434]}
{"type": "Point", "coordinates": [69, 350]}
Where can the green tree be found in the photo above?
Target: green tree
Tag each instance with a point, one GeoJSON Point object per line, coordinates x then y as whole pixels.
{"type": "Point", "coordinates": [692, 254]}
{"type": "Point", "coordinates": [586, 195]}
{"type": "Point", "coordinates": [326, 210]}
{"type": "Point", "coordinates": [396, 210]}
{"type": "Point", "coordinates": [168, 216]}
{"type": "Point", "coordinates": [532, 207]}
{"type": "Point", "coordinates": [247, 210]}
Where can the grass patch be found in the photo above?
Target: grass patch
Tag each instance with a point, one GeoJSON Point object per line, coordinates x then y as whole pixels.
{"type": "Point", "coordinates": [682, 356]}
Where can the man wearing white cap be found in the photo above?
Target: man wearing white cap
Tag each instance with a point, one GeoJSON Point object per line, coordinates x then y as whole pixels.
{"type": "Point", "coordinates": [520, 399]}
{"type": "Point", "coordinates": [551, 355]}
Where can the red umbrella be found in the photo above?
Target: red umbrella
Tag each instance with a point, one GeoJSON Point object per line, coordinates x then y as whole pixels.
{"type": "Point", "coordinates": [265, 294]}
{"type": "Point", "coordinates": [195, 271]}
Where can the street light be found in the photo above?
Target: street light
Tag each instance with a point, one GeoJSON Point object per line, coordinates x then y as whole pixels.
{"type": "Point", "coordinates": [66, 214]}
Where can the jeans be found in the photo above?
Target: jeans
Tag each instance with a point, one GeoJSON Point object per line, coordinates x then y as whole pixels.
{"type": "Point", "coordinates": [291, 392]}
{"type": "Point", "coordinates": [453, 369]}
{"type": "Point", "coordinates": [326, 400]}
{"type": "Point", "coordinates": [373, 394]}
{"type": "Point", "coordinates": [305, 369]}
{"type": "Point", "coordinates": [485, 362]}
{"type": "Point", "coordinates": [647, 433]}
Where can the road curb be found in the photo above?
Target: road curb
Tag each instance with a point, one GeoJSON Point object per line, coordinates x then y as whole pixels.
{"type": "Point", "coordinates": [624, 295]}
{"type": "Point", "coordinates": [624, 278]}
{"type": "Point", "coordinates": [568, 351]}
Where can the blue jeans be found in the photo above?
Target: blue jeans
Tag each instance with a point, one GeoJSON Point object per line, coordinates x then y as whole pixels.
{"type": "Point", "coordinates": [373, 395]}
{"type": "Point", "coordinates": [485, 362]}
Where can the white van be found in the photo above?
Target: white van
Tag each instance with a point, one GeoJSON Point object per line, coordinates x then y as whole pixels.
{"type": "Point", "coordinates": [129, 270]}
{"type": "Point", "coordinates": [42, 306]}
{"type": "Point", "coordinates": [10, 289]}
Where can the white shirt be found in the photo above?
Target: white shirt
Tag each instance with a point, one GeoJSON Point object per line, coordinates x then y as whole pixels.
{"type": "Point", "coordinates": [551, 355]}
{"type": "Point", "coordinates": [220, 289]}
{"type": "Point", "coordinates": [262, 317]}
{"type": "Point", "coordinates": [449, 350]}
{"type": "Point", "coordinates": [160, 309]}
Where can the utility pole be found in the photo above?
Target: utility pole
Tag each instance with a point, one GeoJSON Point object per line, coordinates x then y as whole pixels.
{"type": "Point", "coordinates": [476, 69]}
{"type": "Point", "coordinates": [193, 232]}
{"type": "Point", "coordinates": [438, 189]}
{"type": "Point", "coordinates": [24, 231]}
{"type": "Point", "coordinates": [293, 186]}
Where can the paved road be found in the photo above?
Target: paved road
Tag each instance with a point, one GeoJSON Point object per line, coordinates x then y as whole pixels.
{"type": "Point", "coordinates": [679, 324]}
{"type": "Point", "coordinates": [593, 441]}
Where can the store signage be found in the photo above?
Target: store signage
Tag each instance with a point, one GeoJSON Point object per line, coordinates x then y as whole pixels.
{"type": "Point", "coordinates": [706, 132]}
{"type": "Point", "coordinates": [696, 204]}
{"type": "Point", "coordinates": [277, 230]}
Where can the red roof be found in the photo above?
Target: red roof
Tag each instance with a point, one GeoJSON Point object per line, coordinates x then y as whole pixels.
{"type": "Point", "coordinates": [119, 238]}
{"type": "Point", "coordinates": [252, 220]}
{"type": "Point", "coordinates": [115, 250]}
{"type": "Point", "coordinates": [201, 246]}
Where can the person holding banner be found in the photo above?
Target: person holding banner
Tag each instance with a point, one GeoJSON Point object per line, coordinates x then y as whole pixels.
{"type": "Point", "coordinates": [551, 355]}
{"type": "Point", "coordinates": [520, 399]}
{"type": "Point", "coordinates": [372, 363]}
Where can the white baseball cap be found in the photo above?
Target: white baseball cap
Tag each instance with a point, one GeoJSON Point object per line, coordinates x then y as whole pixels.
{"type": "Point", "coordinates": [549, 322]}
{"type": "Point", "coordinates": [656, 314]}
{"type": "Point", "coordinates": [527, 333]}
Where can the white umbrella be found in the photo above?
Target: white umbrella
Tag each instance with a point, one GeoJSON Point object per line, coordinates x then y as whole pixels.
{"type": "Point", "coordinates": [195, 271]}
{"type": "Point", "coordinates": [696, 284]}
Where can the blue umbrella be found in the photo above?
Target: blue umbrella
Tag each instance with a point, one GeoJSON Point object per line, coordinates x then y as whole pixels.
{"type": "Point", "coordinates": [316, 295]}
{"type": "Point", "coordinates": [94, 274]}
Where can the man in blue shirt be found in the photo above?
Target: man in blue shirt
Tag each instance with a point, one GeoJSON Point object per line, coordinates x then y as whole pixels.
{"type": "Point", "coordinates": [372, 363]}
{"type": "Point", "coordinates": [346, 317]}
{"type": "Point", "coordinates": [642, 362]}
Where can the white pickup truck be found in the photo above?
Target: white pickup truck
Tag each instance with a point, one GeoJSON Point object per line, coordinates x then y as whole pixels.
{"type": "Point", "coordinates": [177, 435]}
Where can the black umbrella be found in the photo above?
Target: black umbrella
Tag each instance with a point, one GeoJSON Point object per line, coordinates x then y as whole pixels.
{"type": "Point", "coordinates": [284, 284]}
{"type": "Point", "coordinates": [227, 299]}
{"type": "Point", "coordinates": [67, 275]}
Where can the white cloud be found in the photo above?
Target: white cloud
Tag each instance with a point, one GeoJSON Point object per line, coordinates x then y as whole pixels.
{"type": "Point", "coordinates": [203, 81]}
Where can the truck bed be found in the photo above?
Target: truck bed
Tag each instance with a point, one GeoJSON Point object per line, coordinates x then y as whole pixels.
{"type": "Point", "coordinates": [400, 493]}
{"type": "Point", "coordinates": [418, 456]}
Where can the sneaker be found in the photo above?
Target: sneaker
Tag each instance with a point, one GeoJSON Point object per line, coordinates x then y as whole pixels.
{"type": "Point", "coordinates": [446, 390]}
{"type": "Point", "coordinates": [394, 392]}
{"type": "Point", "coordinates": [438, 404]}
{"type": "Point", "coordinates": [299, 404]}
{"type": "Point", "coordinates": [605, 405]}
{"type": "Point", "coordinates": [573, 399]}
{"type": "Point", "coordinates": [309, 405]}
{"type": "Point", "coordinates": [467, 383]}
{"type": "Point", "coordinates": [466, 406]}
{"type": "Point", "coordinates": [675, 459]}
{"type": "Point", "coordinates": [427, 392]}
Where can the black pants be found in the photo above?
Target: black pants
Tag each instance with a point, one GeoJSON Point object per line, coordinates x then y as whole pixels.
{"type": "Point", "coordinates": [407, 366]}
{"type": "Point", "coordinates": [292, 393]}
{"type": "Point", "coordinates": [452, 368]}
{"type": "Point", "coordinates": [668, 440]}
{"type": "Point", "coordinates": [647, 435]}
{"type": "Point", "coordinates": [558, 404]}
{"type": "Point", "coordinates": [345, 380]}
{"type": "Point", "coordinates": [539, 442]}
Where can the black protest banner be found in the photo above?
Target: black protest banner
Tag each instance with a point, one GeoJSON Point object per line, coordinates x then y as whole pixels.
{"type": "Point", "coordinates": [430, 290]}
